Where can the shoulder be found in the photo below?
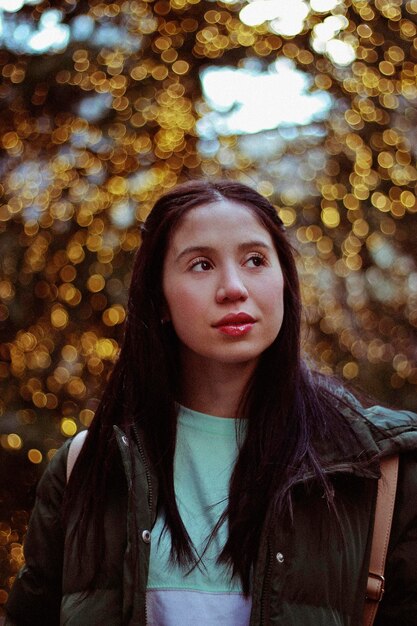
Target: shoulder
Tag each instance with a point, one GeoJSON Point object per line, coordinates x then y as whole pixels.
{"type": "Point", "coordinates": [52, 483]}
{"type": "Point", "coordinates": [377, 431]}
{"type": "Point", "coordinates": [393, 431]}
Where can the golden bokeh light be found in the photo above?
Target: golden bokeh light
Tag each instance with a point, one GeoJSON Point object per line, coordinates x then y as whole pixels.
{"type": "Point", "coordinates": [35, 456]}
{"type": "Point", "coordinates": [68, 427]}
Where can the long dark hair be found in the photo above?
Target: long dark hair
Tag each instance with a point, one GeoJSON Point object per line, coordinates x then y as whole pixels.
{"type": "Point", "coordinates": [287, 408]}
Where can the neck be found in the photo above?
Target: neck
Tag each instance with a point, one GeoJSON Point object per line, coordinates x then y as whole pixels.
{"type": "Point", "coordinates": [214, 388]}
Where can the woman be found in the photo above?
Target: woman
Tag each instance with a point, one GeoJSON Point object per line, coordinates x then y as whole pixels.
{"type": "Point", "coordinates": [221, 482]}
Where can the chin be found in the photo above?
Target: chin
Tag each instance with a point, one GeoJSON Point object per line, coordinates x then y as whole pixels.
{"type": "Point", "coordinates": [239, 359]}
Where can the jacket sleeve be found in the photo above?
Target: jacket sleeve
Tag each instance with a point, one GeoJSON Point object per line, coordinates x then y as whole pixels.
{"type": "Point", "coordinates": [399, 603]}
{"type": "Point", "coordinates": [35, 597]}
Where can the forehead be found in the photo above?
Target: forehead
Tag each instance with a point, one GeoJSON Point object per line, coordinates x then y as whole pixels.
{"type": "Point", "coordinates": [223, 218]}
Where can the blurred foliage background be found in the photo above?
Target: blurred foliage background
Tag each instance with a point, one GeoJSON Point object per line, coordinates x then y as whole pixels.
{"type": "Point", "coordinates": [105, 105]}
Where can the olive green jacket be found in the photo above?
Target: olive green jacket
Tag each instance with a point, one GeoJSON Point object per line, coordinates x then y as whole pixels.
{"type": "Point", "coordinates": [309, 573]}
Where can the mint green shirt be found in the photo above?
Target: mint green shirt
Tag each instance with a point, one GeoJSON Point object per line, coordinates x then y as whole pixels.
{"type": "Point", "coordinates": [206, 452]}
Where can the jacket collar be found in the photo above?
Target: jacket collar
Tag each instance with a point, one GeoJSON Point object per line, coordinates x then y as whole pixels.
{"type": "Point", "coordinates": [377, 432]}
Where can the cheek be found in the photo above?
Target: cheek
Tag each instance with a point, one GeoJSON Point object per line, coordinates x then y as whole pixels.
{"type": "Point", "coordinates": [273, 295]}
{"type": "Point", "coordinates": [274, 307]}
{"type": "Point", "coordinates": [185, 305]}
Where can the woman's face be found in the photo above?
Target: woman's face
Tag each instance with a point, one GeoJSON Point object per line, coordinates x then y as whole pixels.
{"type": "Point", "coordinates": [223, 285]}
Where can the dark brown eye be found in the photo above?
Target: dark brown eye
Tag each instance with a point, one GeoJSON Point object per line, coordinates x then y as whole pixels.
{"type": "Point", "coordinates": [201, 265]}
{"type": "Point", "coordinates": [256, 260]}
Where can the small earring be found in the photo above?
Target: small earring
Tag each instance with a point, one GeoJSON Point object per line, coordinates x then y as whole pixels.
{"type": "Point", "coordinates": [165, 320]}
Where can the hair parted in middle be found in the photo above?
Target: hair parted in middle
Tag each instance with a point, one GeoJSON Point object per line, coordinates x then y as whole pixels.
{"type": "Point", "coordinates": [287, 407]}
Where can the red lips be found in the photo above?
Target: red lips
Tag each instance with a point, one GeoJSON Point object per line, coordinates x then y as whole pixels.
{"type": "Point", "coordinates": [235, 324]}
{"type": "Point", "coordinates": [235, 319]}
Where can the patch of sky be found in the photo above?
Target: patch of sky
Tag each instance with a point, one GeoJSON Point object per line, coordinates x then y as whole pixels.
{"type": "Point", "coordinates": [122, 214]}
{"type": "Point", "coordinates": [281, 20]}
{"type": "Point", "coordinates": [326, 279]}
{"type": "Point", "coordinates": [272, 145]}
{"type": "Point", "coordinates": [32, 213]}
{"type": "Point", "coordinates": [104, 145]}
{"type": "Point", "coordinates": [324, 40]}
{"type": "Point", "coordinates": [383, 254]}
{"type": "Point", "coordinates": [208, 148]}
{"type": "Point", "coordinates": [381, 285]}
{"type": "Point", "coordinates": [107, 34]}
{"type": "Point", "coordinates": [356, 284]}
{"type": "Point", "coordinates": [412, 282]}
{"type": "Point", "coordinates": [30, 175]}
{"type": "Point", "coordinates": [82, 27]}
{"type": "Point", "coordinates": [15, 5]}
{"type": "Point", "coordinates": [276, 12]}
{"type": "Point", "coordinates": [51, 35]}
{"type": "Point", "coordinates": [94, 108]}
{"type": "Point", "coordinates": [14, 37]}
{"type": "Point", "coordinates": [317, 158]}
{"type": "Point", "coordinates": [323, 6]}
{"type": "Point", "coordinates": [111, 239]}
{"type": "Point", "coordinates": [110, 35]}
{"type": "Point", "coordinates": [250, 101]}
{"type": "Point", "coordinates": [144, 179]}
{"type": "Point", "coordinates": [22, 37]}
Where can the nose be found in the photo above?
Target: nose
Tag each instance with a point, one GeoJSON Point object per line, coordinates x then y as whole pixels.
{"type": "Point", "coordinates": [231, 287]}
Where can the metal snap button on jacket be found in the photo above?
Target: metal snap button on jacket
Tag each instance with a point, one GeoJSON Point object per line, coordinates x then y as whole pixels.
{"type": "Point", "coordinates": [146, 536]}
{"type": "Point", "coordinates": [279, 557]}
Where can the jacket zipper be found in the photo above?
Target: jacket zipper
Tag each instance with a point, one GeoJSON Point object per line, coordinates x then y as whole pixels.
{"type": "Point", "coordinates": [150, 490]}
{"type": "Point", "coordinates": [145, 463]}
{"type": "Point", "coordinates": [267, 580]}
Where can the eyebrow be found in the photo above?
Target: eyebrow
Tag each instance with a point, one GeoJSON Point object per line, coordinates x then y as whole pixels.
{"type": "Point", "coordinates": [246, 245]}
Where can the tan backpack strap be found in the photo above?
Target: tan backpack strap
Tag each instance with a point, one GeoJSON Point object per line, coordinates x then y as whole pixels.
{"type": "Point", "coordinates": [384, 510]}
{"type": "Point", "coordinates": [74, 450]}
